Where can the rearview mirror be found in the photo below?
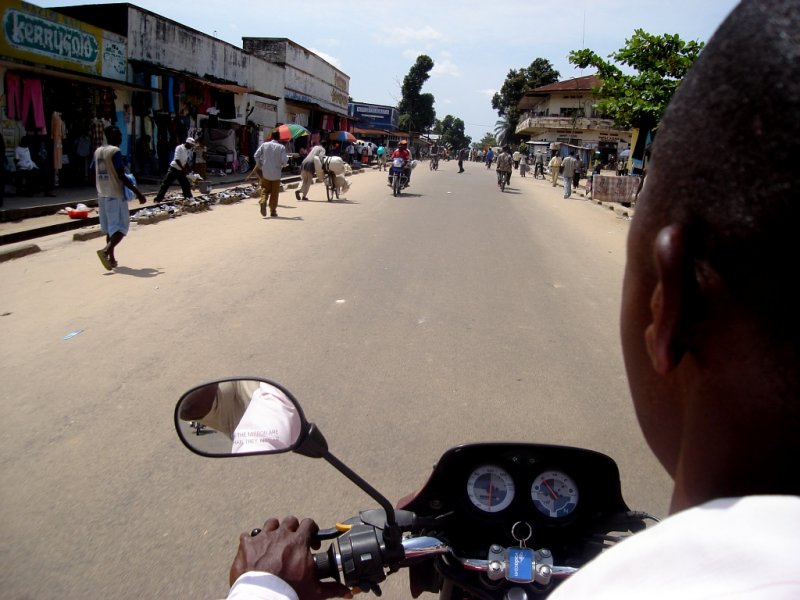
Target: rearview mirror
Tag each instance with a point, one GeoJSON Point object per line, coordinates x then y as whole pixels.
{"type": "Point", "coordinates": [234, 417]}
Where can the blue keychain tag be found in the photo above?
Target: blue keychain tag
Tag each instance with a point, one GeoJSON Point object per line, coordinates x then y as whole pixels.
{"type": "Point", "coordinates": [520, 565]}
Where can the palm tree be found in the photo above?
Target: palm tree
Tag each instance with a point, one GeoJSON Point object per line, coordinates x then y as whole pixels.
{"type": "Point", "coordinates": [505, 127]}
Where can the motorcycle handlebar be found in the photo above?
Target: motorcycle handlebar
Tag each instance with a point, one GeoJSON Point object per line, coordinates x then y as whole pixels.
{"type": "Point", "coordinates": [351, 562]}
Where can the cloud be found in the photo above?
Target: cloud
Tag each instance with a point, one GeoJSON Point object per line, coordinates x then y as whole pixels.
{"type": "Point", "coordinates": [412, 54]}
{"type": "Point", "coordinates": [331, 59]}
{"type": "Point", "coordinates": [487, 92]}
{"type": "Point", "coordinates": [443, 66]}
{"type": "Point", "coordinates": [403, 36]}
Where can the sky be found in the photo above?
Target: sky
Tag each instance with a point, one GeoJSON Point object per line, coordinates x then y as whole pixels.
{"type": "Point", "coordinates": [473, 44]}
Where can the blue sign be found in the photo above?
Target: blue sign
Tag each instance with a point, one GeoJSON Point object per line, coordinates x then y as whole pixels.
{"type": "Point", "coordinates": [373, 115]}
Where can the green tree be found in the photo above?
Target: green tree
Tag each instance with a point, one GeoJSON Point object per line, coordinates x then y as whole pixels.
{"type": "Point", "coordinates": [540, 72]}
{"type": "Point", "coordinates": [487, 140]}
{"type": "Point", "coordinates": [518, 81]}
{"type": "Point", "coordinates": [415, 108]}
{"type": "Point", "coordinates": [451, 130]}
{"type": "Point", "coordinates": [639, 99]}
{"type": "Point", "coordinates": [504, 129]}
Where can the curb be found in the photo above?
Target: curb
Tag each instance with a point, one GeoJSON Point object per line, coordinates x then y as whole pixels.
{"type": "Point", "coordinates": [18, 252]}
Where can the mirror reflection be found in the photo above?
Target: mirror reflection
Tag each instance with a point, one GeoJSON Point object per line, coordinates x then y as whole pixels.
{"type": "Point", "coordinates": [238, 416]}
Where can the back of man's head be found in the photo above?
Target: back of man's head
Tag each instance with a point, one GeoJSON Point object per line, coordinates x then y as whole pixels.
{"type": "Point", "coordinates": [724, 161]}
{"type": "Point", "coordinates": [275, 136]}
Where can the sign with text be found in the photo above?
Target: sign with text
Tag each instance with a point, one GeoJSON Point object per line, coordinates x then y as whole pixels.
{"type": "Point", "coordinates": [46, 37]}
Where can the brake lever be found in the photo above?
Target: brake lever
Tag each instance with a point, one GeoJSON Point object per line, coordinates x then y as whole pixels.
{"type": "Point", "coordinates": [328, 534]}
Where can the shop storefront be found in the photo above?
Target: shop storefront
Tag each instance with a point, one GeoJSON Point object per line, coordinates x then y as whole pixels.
{"type": "Point", "coordinates": [63, 83]}
{"type": "Point", "coordinates": [226, 119]}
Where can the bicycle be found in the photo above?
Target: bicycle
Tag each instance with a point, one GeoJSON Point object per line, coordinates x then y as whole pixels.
{"type": "Point", "coordinates": [331, 190]}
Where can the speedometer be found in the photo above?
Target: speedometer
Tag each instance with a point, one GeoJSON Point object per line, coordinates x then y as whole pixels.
{"type": "Point", "coordinates": [490, 488]}
{"type": "Point", "coordinates": [554, 494]}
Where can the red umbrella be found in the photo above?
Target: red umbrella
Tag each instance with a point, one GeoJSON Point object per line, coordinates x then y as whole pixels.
{"type": "Point", "coordinates": [342, 136]}
{"type": "Point", "coordinates": [291, 131]}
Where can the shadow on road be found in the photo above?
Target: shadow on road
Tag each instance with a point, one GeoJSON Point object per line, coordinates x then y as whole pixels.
{"type": "Point", "coordinates": [145, 272]}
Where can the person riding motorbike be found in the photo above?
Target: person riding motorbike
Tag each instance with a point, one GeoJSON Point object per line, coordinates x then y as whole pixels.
{"type": "Point", "coordinates": [710, 337]}
{"type": "Point", "coordinates": [403, 152]}
{"type": "Point", "coordinates": [504, 165]}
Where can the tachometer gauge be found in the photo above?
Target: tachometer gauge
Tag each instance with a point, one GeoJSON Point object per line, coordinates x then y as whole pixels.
{"type": "Point", "coordinates": [554, 494]}
{"type": "Point", "coordinates": [490, 488]}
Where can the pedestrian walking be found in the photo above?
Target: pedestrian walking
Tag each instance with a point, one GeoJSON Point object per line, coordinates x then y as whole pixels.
{"type": "Point", "coordinates": [461, 156]}
{"type": "Point", "coordinates": [523, 165]}
{"type": "Point", "coordinates": [538, 166]}
{"type": "Point", "coordinates": [178, 169]}
{"type": "Point", "coordinates": [555, 167]}
{"type": "Point", "coordinates": [111, 182]}
{"type": "Point", "coordinates": [381, 158]}
{"type": "Point", "coordinates": [579, 171]}
{"type": "Point", "coordinates": [307, 169]}
{"type": "Point", "coordinates": [270, 159]}
{"type": "Point", "coordinates": [569, 166]}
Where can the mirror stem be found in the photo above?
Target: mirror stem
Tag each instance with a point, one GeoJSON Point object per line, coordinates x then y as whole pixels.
{"type": "Point", "coordinates": [391, 523]}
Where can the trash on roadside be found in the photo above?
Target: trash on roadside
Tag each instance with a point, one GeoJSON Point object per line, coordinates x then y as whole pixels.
{"type": "Point", "coordinates": [72, 334]}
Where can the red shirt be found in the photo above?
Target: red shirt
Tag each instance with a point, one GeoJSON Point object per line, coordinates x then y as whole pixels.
{"type": "Point", "coordinates": [402, 153]}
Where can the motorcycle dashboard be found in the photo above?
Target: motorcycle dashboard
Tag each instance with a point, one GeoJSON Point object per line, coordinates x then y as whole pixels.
{"type": "Point", "coordinates": [483, 490]}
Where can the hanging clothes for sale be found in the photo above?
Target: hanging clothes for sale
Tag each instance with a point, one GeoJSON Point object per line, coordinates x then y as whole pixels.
{"type": "Point", "coordinates": [13, 96]}
{"type": "Point", "coordinates": [96, 134]}
{"type": "Point", "coordinates": [170, 95]}
{"type": "Point", "coordinates": [32, 98]}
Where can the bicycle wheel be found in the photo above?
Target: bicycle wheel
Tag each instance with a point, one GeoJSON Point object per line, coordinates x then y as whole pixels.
{"type": "Point", "coordinates": [329, 186]}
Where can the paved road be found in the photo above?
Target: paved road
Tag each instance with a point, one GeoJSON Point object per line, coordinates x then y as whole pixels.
{"type": "Point", "coordinates": [403, 325]}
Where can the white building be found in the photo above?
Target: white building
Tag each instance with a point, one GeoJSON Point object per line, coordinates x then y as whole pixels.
{"type": "Point", "coordinates": [315, 92]}
{"type": "Point", "coordinates": [564, 114]}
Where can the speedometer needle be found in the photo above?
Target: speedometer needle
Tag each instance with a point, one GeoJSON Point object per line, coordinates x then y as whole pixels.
{"type": "Point", "coordinates": [491, 492]}
{"type": "Point", "coordinates": [549, 489]}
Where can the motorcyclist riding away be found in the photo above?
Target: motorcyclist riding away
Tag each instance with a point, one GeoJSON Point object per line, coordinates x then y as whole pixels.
{"type": "Point", "coordinates": [504, 164]}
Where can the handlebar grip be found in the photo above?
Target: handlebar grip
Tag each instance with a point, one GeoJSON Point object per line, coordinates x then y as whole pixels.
{"type": "Point", "coordinates": [325, 565]}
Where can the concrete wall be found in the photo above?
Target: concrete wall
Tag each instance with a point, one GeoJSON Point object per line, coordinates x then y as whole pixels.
{"type": "Point", "coordinates": [162, 42]}
{"type": "Point", "coordinates": [309, 78]}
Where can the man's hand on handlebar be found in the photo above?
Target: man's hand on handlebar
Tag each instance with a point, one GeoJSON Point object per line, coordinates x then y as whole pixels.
{"type": "Point", "coordinates": [283, 550]}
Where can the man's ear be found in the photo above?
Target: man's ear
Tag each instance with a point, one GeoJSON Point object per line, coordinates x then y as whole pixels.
{"type": "Point", "coordinates": [671, 300]}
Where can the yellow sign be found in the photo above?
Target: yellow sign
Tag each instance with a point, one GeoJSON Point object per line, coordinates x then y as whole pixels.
{"type": "Point", "coordinates": [42, 36]}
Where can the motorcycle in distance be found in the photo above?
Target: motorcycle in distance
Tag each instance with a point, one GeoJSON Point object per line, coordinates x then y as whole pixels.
{"type": "Point", "coordinates": [399, 174]}
{"type": "Point", "coordinates": [495, 520]}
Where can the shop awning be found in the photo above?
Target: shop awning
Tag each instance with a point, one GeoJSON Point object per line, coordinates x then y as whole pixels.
{"type": "Point", "coordinates": [233, 88]}
{"type": "Point", "coordinates": [314, 105]}
{"type": "Point", "coordinates": [90, 79]}
{"type": "Point", "coordinates": [368, 131]}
